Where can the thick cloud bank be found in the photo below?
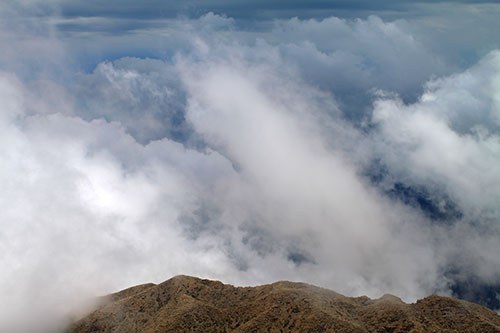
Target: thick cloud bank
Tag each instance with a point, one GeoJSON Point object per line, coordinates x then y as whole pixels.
{"type": "Point", "coordinates": [341, 153]}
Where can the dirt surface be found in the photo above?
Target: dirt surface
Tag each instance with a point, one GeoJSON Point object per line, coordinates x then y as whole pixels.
{"type": "Point", "coordinates": [188, 304]}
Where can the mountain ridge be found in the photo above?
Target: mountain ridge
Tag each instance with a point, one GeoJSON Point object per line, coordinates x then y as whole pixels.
{"type": "Point", "coordinates": [189, 304]}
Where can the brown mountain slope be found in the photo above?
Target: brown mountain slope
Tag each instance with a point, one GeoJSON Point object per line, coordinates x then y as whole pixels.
{"type": "Point", "coordinates": [188, 304]}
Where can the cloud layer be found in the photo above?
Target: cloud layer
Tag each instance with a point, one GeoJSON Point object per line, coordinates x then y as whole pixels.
{"type": "Point", "coordinates": [346, 153]}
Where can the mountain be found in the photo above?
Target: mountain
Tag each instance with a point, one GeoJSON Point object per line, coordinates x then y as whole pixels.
{"type": "Point", "coordinates": [188, 304]}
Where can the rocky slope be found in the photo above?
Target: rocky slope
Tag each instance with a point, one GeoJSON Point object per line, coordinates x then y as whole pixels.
{"type": "Point", "coordinates": [188, 304]}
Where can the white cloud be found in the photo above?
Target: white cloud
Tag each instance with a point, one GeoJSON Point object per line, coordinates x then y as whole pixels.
{"type": "Point", "coordinates": [450, 140]}
{"type": "Point", "coordinates": [299, 190]}
{"type": "Point", "coordinates": [450, 137]}
{"type": "Point", "coordinates": [85, 208]}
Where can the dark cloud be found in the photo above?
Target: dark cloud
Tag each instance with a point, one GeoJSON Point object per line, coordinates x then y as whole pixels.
{"type": "Point", "coordinates": [256, 9]}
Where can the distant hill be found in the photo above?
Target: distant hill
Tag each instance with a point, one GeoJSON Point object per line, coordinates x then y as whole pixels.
{"type": "Point", "coordinates": [188, 304]}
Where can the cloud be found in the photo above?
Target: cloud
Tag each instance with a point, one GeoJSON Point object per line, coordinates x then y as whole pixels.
{"type": "Point", "coordinates": [303, 192]}
{"type": "Point", "coordinates": [84, 199]}
{"type": "Point", "coordinates": [449, 141]}
{"type": "Point", "coordinates": [250, 10]}
{"type": "Point", "coordinates": [145, 96]}
{"type": "Point", "coordinates": [450, 137]}
{"type": "Point", "coordinates": [350, 58]}
{"type": "Point", "coordinates": [337, 152]}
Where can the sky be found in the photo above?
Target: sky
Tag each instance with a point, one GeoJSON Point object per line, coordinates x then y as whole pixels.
{"type": "Point", "coordinates": [353, 145]}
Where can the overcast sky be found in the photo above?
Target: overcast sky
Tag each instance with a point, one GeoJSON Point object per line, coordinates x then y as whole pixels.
{"type": "Point", "coordinates": [353, 145]}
